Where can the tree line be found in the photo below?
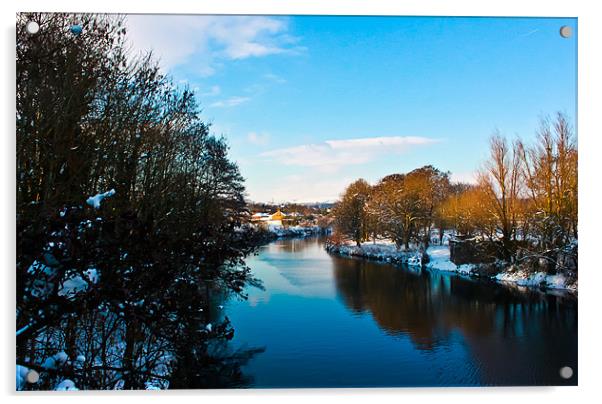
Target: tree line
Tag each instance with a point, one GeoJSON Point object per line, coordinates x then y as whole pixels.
{"type": "Point", "coordinates": [524, 199]}
{"type": "Point", "coordinates": [120, 292]}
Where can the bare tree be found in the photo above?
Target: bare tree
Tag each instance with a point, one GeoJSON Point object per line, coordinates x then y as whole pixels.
{"type": "Point", "coordinates": [501, 179]}
{"type": "Point", "coordinates": [550, 170]}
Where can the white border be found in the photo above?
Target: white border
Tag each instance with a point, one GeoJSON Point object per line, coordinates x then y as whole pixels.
{"type": "Point", "coordinates": [338, 7]}
{"type": "Point", "coordinates": [590, 109]}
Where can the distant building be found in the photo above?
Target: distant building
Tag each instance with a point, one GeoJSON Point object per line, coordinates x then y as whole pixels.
{"type": "Point", "coordinates": [277, 216]}
{"type": "Point", "coordinates": [260, 217]}
{"type": "Point", "coordinates": [275, 219]}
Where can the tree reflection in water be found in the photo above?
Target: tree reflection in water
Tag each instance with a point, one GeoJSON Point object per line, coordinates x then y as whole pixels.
{"type": "Point", "coordinates": [515, 336]}
{"type": "Point", "coordinates": [328, 321]}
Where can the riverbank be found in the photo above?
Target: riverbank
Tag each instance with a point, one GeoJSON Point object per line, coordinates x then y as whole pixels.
{"type": "Point", "coordinates": [439, 260]}
{"type": "Point", "coordinates": [273, 233]}
{"type": "Point", "coordinates": [294, 231]}
{"type": "Point", "coordinates": [378, 325]}
{"type": "Point", "coordinates": [381, 251]}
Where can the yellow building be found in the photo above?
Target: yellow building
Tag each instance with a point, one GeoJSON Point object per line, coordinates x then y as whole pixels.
{"type": "Point", "coordinates": [278, 216]}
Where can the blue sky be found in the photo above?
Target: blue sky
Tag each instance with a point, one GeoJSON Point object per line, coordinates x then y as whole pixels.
{"type": "Point", "coordinates": [310, 103]}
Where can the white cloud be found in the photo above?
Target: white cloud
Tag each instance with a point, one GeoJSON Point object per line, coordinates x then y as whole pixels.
{"type": "Point", "coordinates": [274, 77]}
{"type": "Point", "coordinates": [230, 102]}
{"type": "Point", "coordinates": [175, 38]}
{"type": "Point", "coordinates": [212, 92]}
{"type": "Point", "coordinates": [258, 138]}
{"type": "Point", "coordinates": [331, 155]}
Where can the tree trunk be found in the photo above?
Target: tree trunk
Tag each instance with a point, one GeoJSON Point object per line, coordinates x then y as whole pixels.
{"type": "Point", "coordinates": [128, 356]}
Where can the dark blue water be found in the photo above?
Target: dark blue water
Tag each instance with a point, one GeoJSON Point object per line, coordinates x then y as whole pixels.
{"type": "Point", "coordinates": [327, 321]}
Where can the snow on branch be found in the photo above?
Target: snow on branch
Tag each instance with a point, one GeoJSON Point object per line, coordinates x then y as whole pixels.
{"type": "Point", "coordinates": [95, 200]}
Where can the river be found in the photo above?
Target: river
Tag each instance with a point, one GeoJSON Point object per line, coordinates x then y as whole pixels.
{"type": "Point", "coordinates": [327, 321]}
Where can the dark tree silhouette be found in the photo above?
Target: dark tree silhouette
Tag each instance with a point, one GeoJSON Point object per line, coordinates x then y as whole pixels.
{"type": "Point", "coordinates": [131, 222]}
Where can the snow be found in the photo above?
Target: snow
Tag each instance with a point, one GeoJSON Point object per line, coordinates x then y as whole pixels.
{"type": "Point", "coordinates": [96, 200]}
{"type": "Point", "coordinates": [42, 286]}
{"type": "Point", "coordinates": [151, 386]}
{"type": "Point", "coordinates": [537, 279]}
{"type": "Point", "coordinates": [414, 261]}
{"type": "Point", "coordinates": [384, 250]}
{"type": "Point", "coordinates": [55, 361]}
{"type": "Point", "coordinates": [73, 286]}
{"type": "Point", "coordinates": [26, 375]}
{"type": "Point", "coordinates": [92, 275]}
{"type": "Point", "coordinates": [38, 266]}
{"type": "Point", "coordinates": [66, 385]}
{"type": "Point", "coordinates": [439, 260]}
{"type": "Point", "coordinates": [556, 281]}
{"type": "Point", "coordinates": [77, 284]}
{"type": "Point", "coordinates": [21, 376]}
{"type": "Point", "coordinates": [292, 231]}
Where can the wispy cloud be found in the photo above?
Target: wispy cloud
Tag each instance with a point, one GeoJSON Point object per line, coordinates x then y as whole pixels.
{"type": "Point", "coordinates": [274, 78]}
{"type": "Point", "coordinates": [332, 155]}
{"type": "Point", "coordinates": [212, 92]}
{"type": "Point", "coordinates": [258, 138]}
{"type": "Point", "coordinates": [211, 39]}
{"type": "Point", "coordinates": [230, 102]}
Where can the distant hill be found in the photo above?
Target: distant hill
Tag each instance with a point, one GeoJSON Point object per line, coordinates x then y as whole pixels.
{"type": "Point", "coordinates": [303, 207]}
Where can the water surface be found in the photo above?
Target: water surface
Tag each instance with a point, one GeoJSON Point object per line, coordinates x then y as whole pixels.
{"type": "Point", "coordinates": [328, 321]}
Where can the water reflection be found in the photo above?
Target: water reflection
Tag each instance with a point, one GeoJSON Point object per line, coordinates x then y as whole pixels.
{"type": "Point", "coordinates": [327, 321]}
{"type": "Point", "coordinates": [515, 337]}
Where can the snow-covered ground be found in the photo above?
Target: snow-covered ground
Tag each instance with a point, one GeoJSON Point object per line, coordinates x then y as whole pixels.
{"type": "Point", "coordinates": [383, 250]}
{"type": "Point", "coordinates": [537, 279]}
{"type": "Point", "coordinates": [293, 231]}
{"type": "Point", "coordinates": [439, 259]}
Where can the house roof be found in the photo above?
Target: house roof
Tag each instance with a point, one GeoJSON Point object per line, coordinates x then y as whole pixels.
{"type": "Point", "coordinates": [261, 214]}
